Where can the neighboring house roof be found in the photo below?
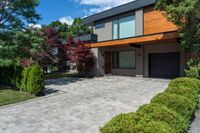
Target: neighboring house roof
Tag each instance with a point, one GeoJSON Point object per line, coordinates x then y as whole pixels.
{"type": "Point", "coordinates": [118, 10]}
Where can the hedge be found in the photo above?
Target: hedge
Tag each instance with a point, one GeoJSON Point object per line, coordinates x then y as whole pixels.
{"type": "Point", "coordinates": [35, 80]}
{"type": "Point", "coordinates": [29, 80]}
{"type": "Point", "coordinates": [11, 75]}
{"type": "Point", "coordinates": [168, 112]}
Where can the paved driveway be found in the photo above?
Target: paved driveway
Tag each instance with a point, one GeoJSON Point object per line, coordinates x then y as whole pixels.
{"type": "Point", "coordinates": [79, 105]}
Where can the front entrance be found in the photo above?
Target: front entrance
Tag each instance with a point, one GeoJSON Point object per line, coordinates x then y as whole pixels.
{"type": "Point", "coordinates": [108, 62]}
{"type": "Point", "coordinates": [164, 65]}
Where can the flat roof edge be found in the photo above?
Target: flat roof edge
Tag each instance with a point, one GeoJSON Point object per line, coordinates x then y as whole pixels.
{"type": "Point", "coordinates": [118, 10]}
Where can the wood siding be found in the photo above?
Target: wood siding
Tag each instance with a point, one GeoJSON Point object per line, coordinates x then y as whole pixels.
{"type": "Point", "coordinates": [138, 40]}
{"type": "Point", "coordinates": [155, 22]}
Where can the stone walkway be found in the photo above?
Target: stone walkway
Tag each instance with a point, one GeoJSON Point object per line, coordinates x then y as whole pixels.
{"type": "Point", "coordinates": [195, 126]}
{"type": "Point", "coordinates": [79, 105]}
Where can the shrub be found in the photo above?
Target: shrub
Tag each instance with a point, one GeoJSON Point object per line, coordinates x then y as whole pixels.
{"type": "Point", "coordinates": [193, 69]}
{"type": "Point", "coordinates": [182, 105]}
{"type": "Point", "coordinates": [25, 73]}
{"type": "Point", "coordinates": [123, 123]}
{"type": "Point", "coordinates": [135, 123]}
{"type": "Point", "coordinates": [184, 91]}
{"type": "Point", "coordinates": [11, 75]}
{"type": "Point", "coordinates": [161, 113]}
{"type": "Point", "coordinates": [155, 127]}
{"type": "Point", "coordinates": [186, 82]}
{"type": "Point", "coordinates": [35, 80]}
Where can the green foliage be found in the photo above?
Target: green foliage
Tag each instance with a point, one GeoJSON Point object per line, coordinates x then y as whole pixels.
{"type": "Point", "coordinates": [184, 14]}
{"type": "Point", "coordinates": [182, 105]}
{"type": "Point", "coordinates": [161, 113]}
{"type": "Point", "coordinates": [184, 91]}
{"type": "Point", "coordinates": [17, 45]}
{"type": "Point", "coordinates": [186, 82]}
{"type": "Point", "coordinates": [24, 84]}
{"type": "Point", "coordinates": [35, 80]}
{"type": "Point", "coordinates": [14, 14]}
{"type": "Point", "coordinates": [123, 123]}
{"type": "Point", "coordinates": [78, 28]}
{"type": "Point", "coordinates": [61, 28]}
{"type": "Point", "coordinates": [168, 112]}
{"type": "Point", "coordinates": [135, 123]}
{"type": "Point", "coordinates": [11, 75]}
{"type": "Point", "coordinates": [193, 69]}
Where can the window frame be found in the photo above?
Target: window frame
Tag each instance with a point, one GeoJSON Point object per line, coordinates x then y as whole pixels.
{"type": "Point", "coordinates": [118, 27]}
{"type": "Point", "coordinates": [117, 52]}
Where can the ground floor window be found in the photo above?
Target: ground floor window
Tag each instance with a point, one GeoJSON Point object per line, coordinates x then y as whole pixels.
{"type": "Point", "coordinates": [123, 59]}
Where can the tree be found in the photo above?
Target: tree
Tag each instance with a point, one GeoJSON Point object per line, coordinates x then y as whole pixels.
{"type": "Point", "coordinates": [17, 45]}
{"type": "Point", "coordinates": [186, 15]}
{"type": "Point", "coordinates": [81, 56]}
{"type": "Point", "coordinates": [47, 56]}
{"type": "Point", "coordinates": [14, 14]}
{"type": "Point", "coordinates": [78, 28]}
{"type": "Point", "coordinates": [61, 28]}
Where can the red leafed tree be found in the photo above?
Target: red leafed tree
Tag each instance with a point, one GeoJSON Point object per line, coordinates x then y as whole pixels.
{"type": "Point", "coordinates": [81, 56]}
{"type": "Point", "coordinates": [47, 56]}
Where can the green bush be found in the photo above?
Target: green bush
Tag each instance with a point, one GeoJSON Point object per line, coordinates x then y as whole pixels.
{"type": "Point", "coordinates": [193, 69]}
{"type": "Point", "coordinates": [169, 112]}
{"type": "Point", "coordinates": [154, 127]}
{"type": "Point", "coordinates": [11, 75]}
{"type": "Point", "coordinates": [186, 82]}
{"type": "Point", "coordinates": [184, 91]}
{"type": "Point", "coordinates": [35, 81]}
{"type": "Point", "coordinates": [135, 123]}
{"type": "Point", "coordinates": [123, 123]}
{"type": "Point", "coordinates": [161, 113]}
{"type": "Point", "coordinates": [24, 82]}
{"type": "Point", "coordinates": [182, 105]}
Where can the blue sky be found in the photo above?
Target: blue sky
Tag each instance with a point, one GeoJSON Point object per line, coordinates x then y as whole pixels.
{"type": "Point", "coordinates": [67, 10]}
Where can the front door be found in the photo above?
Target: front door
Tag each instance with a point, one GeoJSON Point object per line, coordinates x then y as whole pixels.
{"type": "Point", "coordinates": [108, 60]}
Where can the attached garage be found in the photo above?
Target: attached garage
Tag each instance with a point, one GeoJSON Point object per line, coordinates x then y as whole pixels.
{"type": "Point", "coordinates": [164, 65]}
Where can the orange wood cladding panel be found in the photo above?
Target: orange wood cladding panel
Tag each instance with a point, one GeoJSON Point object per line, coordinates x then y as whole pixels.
{"type": "Point", "coordinates": [137, 40]}
{"type": "Point", "coordinates": [156, 22]}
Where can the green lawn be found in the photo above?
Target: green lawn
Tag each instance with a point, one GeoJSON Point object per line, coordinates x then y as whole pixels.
{"type": "Point", "coordinates": [60, 75]}
{"type": "Point", "coordinates": [8, 96]}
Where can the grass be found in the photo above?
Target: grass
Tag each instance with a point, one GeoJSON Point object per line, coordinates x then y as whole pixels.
{"type": "Point", "coordinates": [9, 96]}
{"type": "Point", "coordinates": [60, 75]}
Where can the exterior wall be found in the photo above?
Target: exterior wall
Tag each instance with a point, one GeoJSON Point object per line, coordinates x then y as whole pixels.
{"type": "Point", "coordinates": [142, 61]}
{"type": "Point", "coordinates": [99, 67]}
{"type": "Point", "coordinates": [155, 22]}
{"type": "Point", "coordinates": [162, 48]}
{"type": "Point", "coordinates": [105, 34]}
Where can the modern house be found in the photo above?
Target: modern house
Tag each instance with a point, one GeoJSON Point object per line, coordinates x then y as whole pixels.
{"type": "Point", "coordinates": [136, 40]}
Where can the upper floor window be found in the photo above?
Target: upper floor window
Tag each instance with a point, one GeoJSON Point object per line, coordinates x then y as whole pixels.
{"type": "Point", "coordinates": [99, 26]}
{"type": "Point", "coordinates": [124, 27]}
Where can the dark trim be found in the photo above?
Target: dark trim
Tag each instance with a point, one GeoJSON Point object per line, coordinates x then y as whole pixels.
{"type": "Point", "coordinates": [118, 10]}
{"type": "Point", "coordinates": [118, 59]}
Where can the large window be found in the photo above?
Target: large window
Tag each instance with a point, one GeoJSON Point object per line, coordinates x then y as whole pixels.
{"type": "Point", "coordinates": [124, 27]}
{"type": "Point", "coordinates": [123, 59]}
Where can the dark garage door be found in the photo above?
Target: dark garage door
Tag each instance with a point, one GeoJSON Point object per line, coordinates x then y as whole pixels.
{"type": "Point", "coordinates": [164, 65]}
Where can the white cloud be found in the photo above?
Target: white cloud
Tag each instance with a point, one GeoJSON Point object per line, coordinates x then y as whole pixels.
{"type": "Point", "coordinates": [101, 5]}
{"type": "Point", "coordinates": [37, 26]}
{"type": "Point", "coordinates": [68, 20]}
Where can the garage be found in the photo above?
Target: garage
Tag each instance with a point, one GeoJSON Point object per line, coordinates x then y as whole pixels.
{"type": "Point", "coordinates": [164, 65]}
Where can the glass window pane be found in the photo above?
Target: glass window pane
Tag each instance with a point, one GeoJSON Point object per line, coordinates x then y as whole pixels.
{"type": "Point", "coordinates": [127, 27]}
{"type": "Point", "coordinates": [127, 59]}
{"type": "Point", "coordinates": [115, 60]}
{"type": "Point", "coordinates": [115, 29]}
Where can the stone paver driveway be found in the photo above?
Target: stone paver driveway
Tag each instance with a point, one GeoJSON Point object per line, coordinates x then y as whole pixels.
{"type": "Point", "coordinates": [80, 105]}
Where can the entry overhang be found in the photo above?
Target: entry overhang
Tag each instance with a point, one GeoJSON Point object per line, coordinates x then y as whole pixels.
{"type": "Point", "coordinates": [153, 38]}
